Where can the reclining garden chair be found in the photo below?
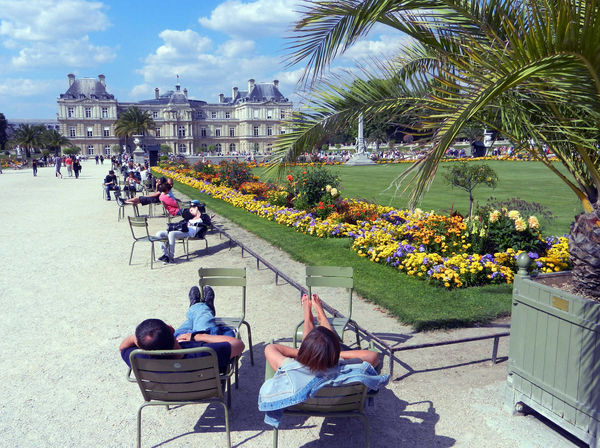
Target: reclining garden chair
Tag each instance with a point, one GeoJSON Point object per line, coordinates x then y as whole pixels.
{"type": "Point", "coordinates": [347, 400]}
{"type": "Point", "coordinates": [139, 222]}
{"type": "Point", "coordinates": [229, 277]}
{"type": "Point", "coordinates": [332, 277]}
{"type": "Point", "coordinates": [178, 382]}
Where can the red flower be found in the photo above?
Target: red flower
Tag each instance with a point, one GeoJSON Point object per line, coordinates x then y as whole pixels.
{"type": "Point", "coordinates": [320, 205]}
{"type": "Point", "coordinates": [290, 178]}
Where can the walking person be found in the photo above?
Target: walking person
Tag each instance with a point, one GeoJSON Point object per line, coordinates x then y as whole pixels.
{"type": "Point", "coordinates": [76, 167]}
{"type": "Point", "coordinates": [96, 160]}
{"type": "Point", "coordinates": [101, 159]}
{"type": "Point", "coordinates": [34, 165]}
{"type": "Point", "coordinates": [57, 165]}
{"type": "Point", "coordinates": [69, 165]}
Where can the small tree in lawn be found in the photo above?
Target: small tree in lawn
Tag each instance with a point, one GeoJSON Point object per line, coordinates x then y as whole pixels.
{"type": "Point", "coordinates": [165, 149]}
{"type": "Point", "coordinates": [468, 176]}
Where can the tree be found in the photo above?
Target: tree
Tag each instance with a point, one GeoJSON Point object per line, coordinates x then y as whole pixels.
{"type": "Point", "coordinates": [54, 140]}
{"type": "Point", "coordinates": [72, 150]}
{"type": "Point", "coordinates": [528, 69]}
{"type": "Point", "coordinates": [29, 137]}
{"type": "Point", "coordinates": [165, 149]}
{"type": "Point", "coordinates": [3, 134]}
{"type": "Point", "coordinates": [116, 149]}
{"type": "Point", "coordinates": [468, 176]}
{"type": "Point", "coordinates": [133, 121]}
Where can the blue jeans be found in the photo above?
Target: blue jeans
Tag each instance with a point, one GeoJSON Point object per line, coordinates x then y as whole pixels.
{"type": "Point", "coordinates": [199, 317]}
{"type": "Point", "coordinates": [110, 187]}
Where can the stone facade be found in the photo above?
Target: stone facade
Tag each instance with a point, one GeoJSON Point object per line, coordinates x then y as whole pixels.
{"type": "Point", "coordinates": [246, 122]}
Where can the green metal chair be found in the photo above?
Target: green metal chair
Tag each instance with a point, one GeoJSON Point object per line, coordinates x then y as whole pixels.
{"type": "Point", "coordinates": [229, 277]}
{"type": "Point", "coordinates": [329, 401]}
{"type": "Point", "coordinates": [141, 222]}
{"type": "Point", "coordinates": [136, 211]}
{"type": "Point", "coordinates": [331, 277]}
{"type": "Point", "coordinates": [178, 382]}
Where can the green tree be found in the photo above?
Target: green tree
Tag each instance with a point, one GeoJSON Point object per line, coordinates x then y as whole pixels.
{"type": "Point", "coordinates": [165, 149]}
{"type": "Point", "coordinates": [3, 134]}
{"type": "Point", "coordinates": [29, 137]}
{"type": "Point", "coordinates": [529, 69]}
{"type": "Point", "coordinates": [71, 150]}
{"type": "Point", "coordinates": [468, 176]}
{"type": "Point", "coordinates": [116, 149]}
{"type": "Point", "coordinates": [54, 140]}
{"type": "Point", "coordinates": [133, 121]}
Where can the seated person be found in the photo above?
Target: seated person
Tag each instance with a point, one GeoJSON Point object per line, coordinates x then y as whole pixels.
{"type": "Point", "coordinates": [131, 183]}
{"type": "Point", "coordinates": [111, 183]}
{"type": "Point", "coordinates": [200, 317]}
{"type": "Point", "coordinates": [168, 200]}
{"type": "Point", "coordinates": [154, 334]}
{"type": "Point", "coordinates": [319, 362]}
{"type": "Point", "coordinates": [196, 228]}
{"type": "Point", "coordinates": [152, 198]}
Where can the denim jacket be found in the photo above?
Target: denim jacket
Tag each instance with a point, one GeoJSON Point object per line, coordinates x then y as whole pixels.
{"type": "Point", "coordinates": [294, 383]}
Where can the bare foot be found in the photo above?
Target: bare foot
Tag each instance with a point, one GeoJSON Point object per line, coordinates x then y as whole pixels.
{"type": "Point", "coordinates": [321, 317]}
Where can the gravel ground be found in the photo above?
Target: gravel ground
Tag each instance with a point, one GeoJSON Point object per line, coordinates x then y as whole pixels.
{"type": "Point", "coordinates": [68, 297]}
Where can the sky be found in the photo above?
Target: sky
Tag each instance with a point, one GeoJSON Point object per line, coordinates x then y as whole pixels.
{"type": "Point", "coordinates": [213, 45]}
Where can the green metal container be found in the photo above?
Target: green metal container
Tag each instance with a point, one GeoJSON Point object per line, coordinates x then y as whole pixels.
{"type": "Point", "coordinates": [554, 359]}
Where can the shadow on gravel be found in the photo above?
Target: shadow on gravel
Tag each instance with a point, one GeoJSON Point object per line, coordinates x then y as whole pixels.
{"type": "Point", "coordinates": [392, 421]}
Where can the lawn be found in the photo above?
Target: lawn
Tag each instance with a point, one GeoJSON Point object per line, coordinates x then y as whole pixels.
{"type": "Point", "coordinates": [530, 181]}
{"type": "Point", "coordinates": [412, 301]}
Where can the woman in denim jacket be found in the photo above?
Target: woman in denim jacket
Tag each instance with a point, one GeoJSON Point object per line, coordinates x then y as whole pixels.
{"type": "Point", "coordinates": [319, 362]}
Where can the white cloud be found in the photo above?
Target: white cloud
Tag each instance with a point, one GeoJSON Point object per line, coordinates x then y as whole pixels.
{"type": "Point", "coordinates": [384, 46]}
{"type": "Point", "coordinates": [53, 33]}
{"type": "Point", "coordinates": [233, 48]}
{"type": "Point", "coordinates": [254, 18]}
{"type": "Point", "coordinates": [19, 87]}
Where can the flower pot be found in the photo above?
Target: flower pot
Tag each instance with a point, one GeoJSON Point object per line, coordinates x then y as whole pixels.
{"type": "Point", "coordinates": [554, 357]}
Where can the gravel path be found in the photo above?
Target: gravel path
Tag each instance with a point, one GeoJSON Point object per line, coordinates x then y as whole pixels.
{"type": "Point", "coordinates": [65, 275]}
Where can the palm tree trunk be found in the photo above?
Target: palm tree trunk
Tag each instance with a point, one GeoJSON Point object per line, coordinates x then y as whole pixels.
{"type": "Point", "coordinates": [584, 250]}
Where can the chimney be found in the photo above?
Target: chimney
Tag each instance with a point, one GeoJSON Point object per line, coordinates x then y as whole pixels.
{"type": "Point", "coordinates": [185, 92]}
{"type": "Point", "coordinates": [71, 77]}
{"type": "Point", "coordinates": [156, 93]}
{"type": "Point", "coordinates": [177, 87]}
{"type": "Point", "coordinates": [221, 98]}
{"type": "Point", "coordinates": [276, 83]}
{"type": "Point", "coordinates": [250, 86]}
{"type": "Point", "coordinates": [234, 93]}
{"type": "Point", "coordinates": [102, 79]}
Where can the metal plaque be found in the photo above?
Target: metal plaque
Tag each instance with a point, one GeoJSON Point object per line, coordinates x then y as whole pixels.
{"type": "Point", "coordinates": [560, 303]}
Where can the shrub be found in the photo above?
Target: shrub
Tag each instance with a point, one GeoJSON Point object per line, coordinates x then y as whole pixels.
{"type": "Point", "coordinates": [234, 173]}
{"type": "Point", "coordinates": [312, 186]}
{"type": "Point", "coordinates": [257, 188]}
{"type": "Point", "coordinates": [523, 207]}
{"type": "Point", "coordinates": [205, 168]}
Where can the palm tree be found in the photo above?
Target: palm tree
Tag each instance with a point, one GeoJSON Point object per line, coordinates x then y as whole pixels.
{"type": "Point", "coordinates": [529, 69]}
{"type": "Point", "coordinates": [133, 121]}
{"type": "Point", "coordinates": [54, 140]}
{"type": "Point", "coordinates": [30, 137]}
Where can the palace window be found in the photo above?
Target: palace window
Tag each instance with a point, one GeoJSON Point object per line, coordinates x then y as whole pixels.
{"type": "Point", "coordinates": [213, 114]}
{"type": "Point", "coordinates": [204, 146]}
{"type": "Point", "coordinates": [181, 131]}
{"type": "Point", "coordinates": [217, 132]}
{"type": "Point", "coordinates": [256, 113]}
{"type": "Point", "coordinates": [154, 114]}
{"type": "Point", "coordinates": [90, 149]}
{"type": "Point", "coordinates": [269, 113]}
{"type": "Point", "coordinates": [282, 115]}
{"type": "Point", "coordinates": [269, 130]}
{"type": "Point", "coordinates": [107, 150]}
{"type": "Point", "coordinates": [88, 112]}
{"type": "Point", "coordinates": [72, 132]}
{"type": "Point", "coordinates": [232, 147]}
{"type": "Point", "coordinates": [157, 132]}
{"type": "Point", "coordinates": [255, 133]}
{"type": "Point", "coordinates": [182, 147]}
{"type": "Point", "coordinates": [105, 112]}
{"type": "Point", "coordinates": [218, 147]}
{"type": "Point", "coordinates": [90, 132]}
{"type": "Point", "coordinates": [106, 131]}
{"type": "Point", "coordinates": [202, 132]}
{"type": "Point", "coordinates": [232, 132]}
{"type": "Point", "coordinates": [70, 112]}
{"type": "Point", "coordinates": [227, 115]}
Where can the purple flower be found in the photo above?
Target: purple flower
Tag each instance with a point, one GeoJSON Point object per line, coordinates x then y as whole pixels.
{"type": "Point", "coordinates": [425, 260]}
{"type": "Point", "coordinates": [533, 255]}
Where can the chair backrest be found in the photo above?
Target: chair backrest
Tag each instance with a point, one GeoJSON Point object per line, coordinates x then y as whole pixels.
{"type": "Point", "coordinates": [332, 399]}
{"type": "Point", "coordinates": [225, 277]}
{"type": "Point", "coordinates": [138, 222]}
{"type": "Point", "coordinates": [331, 277]}
{"type": "Point", "coordinates": [173, 380]}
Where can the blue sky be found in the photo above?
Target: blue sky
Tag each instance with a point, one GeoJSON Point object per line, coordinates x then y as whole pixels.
{"type": "Point", "coordinates": [138, 45]}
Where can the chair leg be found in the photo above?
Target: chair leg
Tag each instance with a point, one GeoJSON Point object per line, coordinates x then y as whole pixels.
{"type": "Point", "coordinates": [227, 425]}
{"type": "Point", "coordinates": [139, 427]}
{"type": "Point", "coordinates": [152, 256]}
{"type": "Point", "coordinates": [235, 372]}
{"type": "Point", "coordinates": [249, 341]}
{"type": "Point", "coordinates": [229, 391]}
{"type": "Point", "coordinates": [275, 438]}
{"type": "Point", "coordinates": [131, 254]}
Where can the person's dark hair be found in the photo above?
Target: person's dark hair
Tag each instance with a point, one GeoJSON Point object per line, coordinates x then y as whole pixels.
{"type": "Point", "coordinates": [202, 207]}
{"type": "Point", "coordinates": [165, 188]}
{"type": "Point", "coordinates": [154, 334]}
{"type": "Point", "coordinates": [320, 350]}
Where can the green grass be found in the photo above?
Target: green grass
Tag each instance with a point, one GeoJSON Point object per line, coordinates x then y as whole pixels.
{"type": "Point", "coordinates": [530, 181]}
{"type": "Point", "coordinates": [411, 300]}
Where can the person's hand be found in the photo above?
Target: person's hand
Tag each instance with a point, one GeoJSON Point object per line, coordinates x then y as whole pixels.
{"type": "Point", "coordinates": [185, 337]}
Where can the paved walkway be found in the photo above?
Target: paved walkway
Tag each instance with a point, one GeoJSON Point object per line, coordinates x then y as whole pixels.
{"type": "Point", "coordinates": [68, 297]}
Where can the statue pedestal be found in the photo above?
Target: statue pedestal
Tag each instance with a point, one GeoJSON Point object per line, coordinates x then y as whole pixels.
{"type": "Point", "coordinates": [138, 153]}
{"type": "Point", "coordinates": [359, 158]}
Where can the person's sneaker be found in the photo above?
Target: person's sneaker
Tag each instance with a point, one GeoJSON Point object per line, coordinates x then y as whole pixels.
{"type": "Point", "coordinates": [163, 258]}
{"type": "Point", "coordinates": [208, 297]}
{"type": "Point", "coordinates": [194, 295]}
{"type": "Point", "coordinates": [120, 200]}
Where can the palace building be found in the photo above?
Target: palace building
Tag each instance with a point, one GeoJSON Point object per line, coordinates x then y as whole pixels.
{"type": "Point", "coordinates": [245, 122]}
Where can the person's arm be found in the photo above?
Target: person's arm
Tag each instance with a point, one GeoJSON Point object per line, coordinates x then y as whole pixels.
{"type": "Point", "coordinates": [364, 355]}
{"type": "Point", "coordinates": [275, 354]}
{"type": "Point", "coordinates": [129, 341]}
{"type": "Point", "coordinates": [237, 346]}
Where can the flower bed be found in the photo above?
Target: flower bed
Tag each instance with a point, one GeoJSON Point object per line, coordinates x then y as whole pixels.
{"type": "Point", "coordinates": [426, 245]}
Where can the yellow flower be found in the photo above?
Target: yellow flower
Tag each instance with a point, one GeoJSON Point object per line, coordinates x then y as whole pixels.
{"type": "Point", "coordinates": [334, 192]}
{"type": "Point", "coordinates": [520, 224]}
{"type": "Point", "coordinates": [533, 223]}
{"type": "Point", "coordinates": [328, 188]}
{"type": "Point", "coordinates": [494, 216]}
{"type": "Point", "coordinates": [514, 214]}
